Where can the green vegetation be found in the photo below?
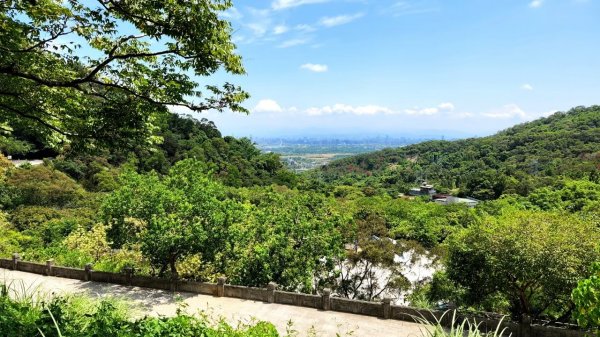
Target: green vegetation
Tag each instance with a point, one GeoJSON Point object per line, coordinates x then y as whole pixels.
{"type": "Point", "coordinates": [517, 160]}
{"type": "Point", "coordinates": [185, 217]}
{"type": "Point", "coordinates": [587, 300]}
{"type": "Point", "coordinates": [66, 70]}
{"type": "Point", "coordinates": [458, 329]}
{"type": "Point", "coordinates": [126, 183]}
{"type": "Point", "coordinates": [26, 314]}
{"type": "Point", "coordinates": [530, 260]}
{"type": "Point", "coordinates": [83, 317]}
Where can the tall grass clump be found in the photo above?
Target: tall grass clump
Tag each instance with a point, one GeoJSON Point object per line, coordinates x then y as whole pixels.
{"type": "Point", "coordinates": [24, 314]}
{"type": "Point", "coordinates": [466, 328]}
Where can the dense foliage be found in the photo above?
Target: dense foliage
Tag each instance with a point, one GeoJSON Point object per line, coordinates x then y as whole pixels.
{"type": "Point", "coordinates": [88, 86]}
{"type": "Point", "coordinates": [587, 300]}
{"type": "Point", "coordinates": [517, 160]}
{"type": "Point", "coordinates": [82, 317]}
{"type": "Point", "coordinates": [529, 259]}
{"type": "Point", "coordinates": [253, 236]}
{"type": "Point", "coordinates": [69, 68]}
{"type": "Point", "coordinates": [198, 206]}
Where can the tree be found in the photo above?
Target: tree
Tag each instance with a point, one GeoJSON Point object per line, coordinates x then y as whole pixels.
{"type": "Point", "coordinates": [531, 258]}
{"type": "Point", "coordinates": [289, 238]}
{"type": "Point", "coordinates": [371, 269]}
{"type": "Point", "coordinates": [105, 71]}
{"type": "Point", "coordinates": [587, 300]}
{"type": "Point", "coordinates": [172, 217]}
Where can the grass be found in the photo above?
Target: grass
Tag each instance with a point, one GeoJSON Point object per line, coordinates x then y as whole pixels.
{"type": "Point", "coordinates": [465, 328]}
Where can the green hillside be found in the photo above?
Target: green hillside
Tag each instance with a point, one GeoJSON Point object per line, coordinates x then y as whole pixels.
{"type": "Point", "coordinates": [516, 160]}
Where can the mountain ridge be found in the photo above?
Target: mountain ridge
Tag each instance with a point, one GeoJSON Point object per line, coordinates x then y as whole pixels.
{"type": "Point", "coordinates": [514, 160]}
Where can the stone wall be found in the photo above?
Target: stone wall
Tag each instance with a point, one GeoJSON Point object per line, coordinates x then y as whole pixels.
{"type": "Point", "coordinates": [324, 301]}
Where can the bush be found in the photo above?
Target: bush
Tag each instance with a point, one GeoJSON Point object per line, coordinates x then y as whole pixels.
{"type": "Point", "coordinates": [82, 317]}
{"type": "Point", "coordinates": [43, 186]}
{"type": "Point", "coordinates": [587, 300]}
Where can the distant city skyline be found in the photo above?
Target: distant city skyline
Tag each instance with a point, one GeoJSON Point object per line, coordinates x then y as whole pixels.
{"type": "Point", "coordinates": [320, 67]}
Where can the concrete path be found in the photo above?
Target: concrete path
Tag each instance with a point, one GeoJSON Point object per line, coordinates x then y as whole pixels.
{"type": "Point", "coordinates": [305, 321]}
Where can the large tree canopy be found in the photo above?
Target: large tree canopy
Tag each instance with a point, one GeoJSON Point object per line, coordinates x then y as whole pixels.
{"type": "Point", "coordinates": [96, 72]}
{"type": "Point", "coordinates": [532, 259]}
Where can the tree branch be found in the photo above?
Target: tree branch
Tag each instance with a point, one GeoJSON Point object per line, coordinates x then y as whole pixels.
{"type": "Point", "coordinates": [39, 120]}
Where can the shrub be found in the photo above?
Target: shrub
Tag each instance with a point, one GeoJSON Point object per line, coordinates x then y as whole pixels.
{"type": "Point", "coordinates": [82, 317]}
{"type": "Point", "coordinates": [43, 186]}
{"type": "Point", "coordinates": [587, 300]}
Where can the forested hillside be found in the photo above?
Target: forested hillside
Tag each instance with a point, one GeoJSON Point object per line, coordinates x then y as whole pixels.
{"type": "Point", "coordinates": [236, 162]}
{"type": "Point", "coordinates": [126, 183]}
{"type": "Point", "coordinates": [516, 160]}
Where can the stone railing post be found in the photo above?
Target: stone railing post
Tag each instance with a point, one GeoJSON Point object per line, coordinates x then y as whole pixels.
{"type": "Point", "coordinates": [271, 292]}
{"type": "Point", "coordinates": [326, 299]}
{"type": "Point", "coordinates": [221, 286]}
{"type": "Point", "coordinates": [49, 265]}
{"type": "Point", "coordinates": [88, 272]}
{"type": "Point", "coordinates": [129, 274]}
{"type": "Point", "coordinates": [16, 257]}
{"type": "Point", "coordinates": [387, 307]}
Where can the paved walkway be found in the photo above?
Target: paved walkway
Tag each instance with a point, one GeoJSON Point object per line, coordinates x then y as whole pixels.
{"type": "Point", "coordinates": [159, 302]}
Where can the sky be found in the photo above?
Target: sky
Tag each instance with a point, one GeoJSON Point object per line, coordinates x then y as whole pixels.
{"type": "Point", "coordinates": [421, 67]}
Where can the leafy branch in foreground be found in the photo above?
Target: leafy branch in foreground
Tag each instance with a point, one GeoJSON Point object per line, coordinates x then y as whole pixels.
{"type": "Point", "coordinates": [587, 300]}
{"type": "Point", "coordinates": [103, 71]}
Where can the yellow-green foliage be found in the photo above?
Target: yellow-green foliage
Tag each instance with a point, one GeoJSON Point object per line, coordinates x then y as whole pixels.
{"type": "Point", "coordinates": [4, 163]}
{"type": "Point", "coordinates": [11, 240]}
{"type": "Point", "coordinates": [92, 242]}
{"type": "Point", "coordinates": [42, 185]}
{"type": "Point", "coordinates": [587, 300]}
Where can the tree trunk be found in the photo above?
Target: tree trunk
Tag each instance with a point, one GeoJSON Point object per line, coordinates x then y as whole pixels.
{"type": "Point", "coordinates": [162, 270]}
{"type": "Point", "coordinates": [172, 261]}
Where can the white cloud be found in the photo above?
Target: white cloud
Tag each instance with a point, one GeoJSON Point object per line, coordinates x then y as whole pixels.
{"type": "Point", "coordinates": [232, 14]}
{"type": "Point", "coordinates": [305, 28]}
{"type": "Point", "coordinates": [447, 106]}
{"type": "Point", "coordinates": [293, 43]}
{"type": "Point", "coordinates": [339, 109]}
{"type": "Point", "coordinates": [283, 4]}
{"type": "Point", "coordinates": [280, 29]}
{"type": "Point", "coordinates": [422, 112]}
{"type": "Point", "coordinates": [442, 107]}
{"type": "Point", "coordinates": [339, 20]}
{"type": "Point", "coordinates": [527, 87]}
{"type": "Point", "coordinates": [267, 105]}
{"type": "Point", "coordinates": [463, 115]}
{"type": "Point", "coordinates": [536, 3]}
{"type": "Point", "coordinates": [317, 68]}
{"type": "Point", "coordinates": [507, 111]}
{"type": "Point", "coordinates": [258, 28]}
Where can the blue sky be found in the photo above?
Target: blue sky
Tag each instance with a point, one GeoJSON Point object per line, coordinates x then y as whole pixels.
{"type": "Point", "coordinates": [388, 67]}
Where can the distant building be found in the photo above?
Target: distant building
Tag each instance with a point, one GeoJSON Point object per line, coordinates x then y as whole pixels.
{"type": "Point", "coordinates": [424, 190]}
{"type": "Point", "coordinates": [448, 200]}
